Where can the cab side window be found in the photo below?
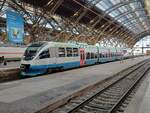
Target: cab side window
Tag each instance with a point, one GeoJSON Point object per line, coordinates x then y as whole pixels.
{"type": "Point", "coordinates": [44, 54]}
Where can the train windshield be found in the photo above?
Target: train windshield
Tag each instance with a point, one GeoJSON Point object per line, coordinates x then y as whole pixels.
{"type": "Point", "coordinates": [32, 50]}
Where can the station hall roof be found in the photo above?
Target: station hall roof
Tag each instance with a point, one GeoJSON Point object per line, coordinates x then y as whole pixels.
{"type": "Point", "coordinates": [127, 20]}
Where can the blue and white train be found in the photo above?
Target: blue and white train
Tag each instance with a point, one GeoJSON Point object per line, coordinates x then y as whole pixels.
{"type": "Point", "coordinates": [41, 57]}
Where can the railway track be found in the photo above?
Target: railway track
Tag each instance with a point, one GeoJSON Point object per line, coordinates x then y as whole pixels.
{"type": "Point", "coordinates": [112, 98]}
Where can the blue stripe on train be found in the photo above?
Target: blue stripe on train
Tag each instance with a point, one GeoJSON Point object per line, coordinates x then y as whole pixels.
{"type": "Point", "coordinates": [41, 69]}
{"type": "Point", "coordinates": [91, 61]}
{"type": "Point", "coordinates": [65, 65]}
{"type": "Point", "coordinates": [108, 59]}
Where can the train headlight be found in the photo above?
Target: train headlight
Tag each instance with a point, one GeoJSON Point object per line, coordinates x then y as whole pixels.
{"type": "Point", "coordinates": [25, 67]}
{"type": "Point", "coordinates": [22, 67]}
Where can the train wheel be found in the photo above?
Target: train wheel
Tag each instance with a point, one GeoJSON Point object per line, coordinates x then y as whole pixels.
{"type": "Point", "coordinates": [61, 69]}
{"type": "Point", "coordinates": [49, 71]}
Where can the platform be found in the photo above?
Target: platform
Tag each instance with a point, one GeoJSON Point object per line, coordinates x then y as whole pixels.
{"type": "Point", "coordinates": [10, 65]}
{"type": "Point", "coordinates": [33, 94]}
{"type": "Point", "coordinates": [145, 103]}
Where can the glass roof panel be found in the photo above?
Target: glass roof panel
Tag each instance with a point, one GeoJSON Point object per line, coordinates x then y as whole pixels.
{"type": "Point", "coordinates": [123, 9]}
{"type": "Point", "coordinates": [135, 5]}
{"type": "Point", "coordinates": [127, 12]}
{"type": "Point", "coordinates": [114, 2]}
{"type": "Point", "coordinates": [114, 13]}
{"type": "Point", "coordinates": [104, 5]}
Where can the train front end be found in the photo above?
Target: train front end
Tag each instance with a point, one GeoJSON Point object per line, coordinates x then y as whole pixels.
{"type": "Point", "coordinates": [30, 59]}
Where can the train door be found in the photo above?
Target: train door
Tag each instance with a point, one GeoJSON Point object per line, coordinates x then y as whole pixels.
{"type": "Point", "coordinates": [109, 55]}
{"type": "Point", "coordinates": [82, 57]}
{"type": "Point", "coordinates": [53, 54]}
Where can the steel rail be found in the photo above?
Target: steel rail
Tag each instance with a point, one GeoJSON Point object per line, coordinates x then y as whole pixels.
{"type": "Point", "coordinates": [95, 95]}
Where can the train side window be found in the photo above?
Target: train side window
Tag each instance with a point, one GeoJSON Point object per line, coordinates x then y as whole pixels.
{"type": "Point", "coordinates": [75, 52]}
{"type": "Point", "coordinates": [69, 52]}
{"type": "Point", "coordinates": [100, 55]}
{"type": "Point", "coordinates": [96, 55]}
{"type": "Point", "coordinates": [61, 52]}
{"type": "Point", "coordinates": [110, 55]}
{"type": "Point", "coordinates": [104, 55]}
{"type": "Point", "coordinates": [92, 55]}
{"type": "Point", "coordinates": [107, 55]}
{"type": "Point", "coordinates": [44, 54]}
{"type": "Point", "coordinates": [87, 55]}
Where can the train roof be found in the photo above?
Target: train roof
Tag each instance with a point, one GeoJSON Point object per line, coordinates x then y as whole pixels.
{"type": "Point", "coordinates": [61, 44]}
{"type": "Point", "coordinates": [76, 45]}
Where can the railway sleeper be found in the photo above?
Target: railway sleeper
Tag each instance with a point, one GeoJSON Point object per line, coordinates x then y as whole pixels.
{"type": "Point", "coordinates": [94, 109]}
{"type": "Point", "coordinates": [106, 99]}
{"type": "Point", "coordinates": [104, 102]}
{"type": "Point", "coordinates": [101, 105]}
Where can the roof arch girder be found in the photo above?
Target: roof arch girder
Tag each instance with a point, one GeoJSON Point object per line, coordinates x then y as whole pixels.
{"type": "Point", "coordinates": [121, 33]}
{"type": "Point", "coordinates": [142, 35]}
{"type": "Point", "coordinates": [120, 4]}
{"type": "Point", "coordinates": [137, 18]}
{"type": "Point", "coordinates": [128, 12]}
